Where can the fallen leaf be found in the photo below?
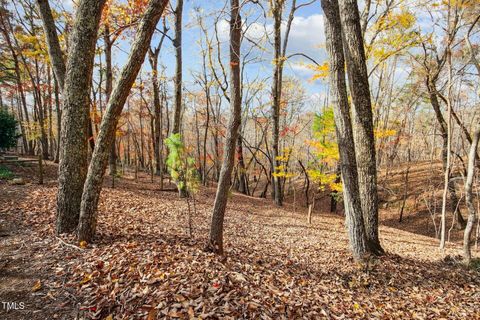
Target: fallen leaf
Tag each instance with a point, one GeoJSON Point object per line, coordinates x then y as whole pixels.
{"type": "Point", "coordinates": [37, 286]}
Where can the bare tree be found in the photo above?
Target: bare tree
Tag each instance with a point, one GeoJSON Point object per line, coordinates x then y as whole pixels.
{"type": "Point", "coordinates": [158, 114]}
{"type": "Point", "coordinates": [472, 157]}
{"type": "Point", "coordinates": [215, 243]}
{"type": "Point", "coordinates": [472, 212]}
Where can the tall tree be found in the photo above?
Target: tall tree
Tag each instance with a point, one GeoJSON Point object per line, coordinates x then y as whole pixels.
{"type": "Point", "coordinates": [75, 115]}
{"type": "Point", "coordinates": [279, 57]}
{"type": "Point", "coordinates": [472, 211]}
{"type": "Point", "coordinates": [343, 128]}
{"type": "Point", "coordinates": [177, 43]}
{"type": "Point", "coordinates": [53, 44]}
{"type": "Point", "coordinates": [215, 243]}
{"type": "Point", "coordinates": [157, 105]}
{"type": "Point", "coordinates": [7, 30]}
{"type": "Point", "coordinates": [277, 11]}
{"type": "Point", "coordinates": [108, 44]}
{"type": "Point", "coordinates": [96, 170]}
{"type": "Point", "coordinates": [362, 119]}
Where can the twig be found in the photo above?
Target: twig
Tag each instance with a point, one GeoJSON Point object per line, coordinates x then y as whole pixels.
{"type": "Point", "coordinates": [68, 244]}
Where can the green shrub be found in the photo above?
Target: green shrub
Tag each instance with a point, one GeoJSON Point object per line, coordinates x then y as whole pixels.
{"type": "Point", "coordinates": [5, 174]}
{"type": "Point", "coordinates": [475, 264]}
{"type": "Point", "coordinates": [8, 130]}
{"type": "Point", "coordinates": [181, 166]}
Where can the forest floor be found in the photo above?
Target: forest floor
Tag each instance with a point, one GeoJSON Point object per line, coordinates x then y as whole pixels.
{"type": "Point", "coordinates": [143, 264]}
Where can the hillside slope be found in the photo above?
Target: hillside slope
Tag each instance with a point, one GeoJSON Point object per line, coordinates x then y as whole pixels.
{"type": "Point", "coordinates": [144, 264]}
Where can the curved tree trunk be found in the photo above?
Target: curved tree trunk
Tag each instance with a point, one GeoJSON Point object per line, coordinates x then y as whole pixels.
{"type": "Point", "coordinates": [53, 44]}
{"type": "Point", "coordinates": [454, 207]}
{"type": "Point", "coordinates": [215, 243]}
{"type": "Point", "coordinates": [472, 212]}
{"type": "Point", "coordinates": [96, 170]}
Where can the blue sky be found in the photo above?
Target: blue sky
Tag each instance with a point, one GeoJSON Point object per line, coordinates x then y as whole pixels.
{"type": "Point", "coordinates": [306, 36]}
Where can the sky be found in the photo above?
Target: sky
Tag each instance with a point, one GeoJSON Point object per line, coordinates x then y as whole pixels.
{"type": "Point", "coordinates": [306, 36]}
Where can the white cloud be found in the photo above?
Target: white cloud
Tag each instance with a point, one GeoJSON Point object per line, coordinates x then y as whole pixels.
{"type": "Point", "coordinates": [68, 4]}
{"type": "Point", "coordinates": [306, 33]}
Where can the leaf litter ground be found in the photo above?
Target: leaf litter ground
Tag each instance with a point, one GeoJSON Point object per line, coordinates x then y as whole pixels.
{"type": "Point", "coordinates": [143, 265]}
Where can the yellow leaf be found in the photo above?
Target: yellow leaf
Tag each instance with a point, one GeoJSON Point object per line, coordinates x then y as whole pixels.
{"type": "Point", "coordinates": [86, 279]}
{"type": "Point", "coordinates": [37, 286]}
{"type": "Point", "coordinates": [83, 244]}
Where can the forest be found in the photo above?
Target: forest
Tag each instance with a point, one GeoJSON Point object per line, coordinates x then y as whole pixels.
{"type": "Point", "coordinates": [239, 159]}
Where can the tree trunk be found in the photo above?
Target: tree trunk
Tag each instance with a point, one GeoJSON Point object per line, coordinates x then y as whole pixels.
{"type": "Point", "coordinates": [472, 213]}
{"type": "Point", "coordinates": [57, 60]}
{"type": "Point", "coordinates": [242, 177]}
{"type": "Point", "coordinates": [73, 140]}
{"type": "Point", "coordinates": [158, 112]}
{"type": "Point", "coordinates": [96, 170]}
{"type": "Point", "coordinates": [205, 135]}
{"type": "Point", "coordinates": [59, 117]}
{"type": "Point", "coordinates": [153, 59]}
{"type": "Point", "coordinates": [215, 243]}
{"type": "Point", "coordinates": [112, 157]}
{"type": "Point", "coordinates": [454, 207]}
{"type": "Point", "coordinates": [448, 169]}
{"type": "Point", "coordinates": [51, 143]}
{"type": "Point", "coordinates": [18, 78]}
{"type": "Point", "coordinates": [53, 44]}
{"type": "Point", "coordinates": [363, 120]}
{"type": "Point", "coordinates": [276, 97]}
{"type": "Point", "coordinates": [177, 44]}
{"type": "Point", "coordinates": [343, 128]}
{"type": "Point", "coordinates": [334, 193]}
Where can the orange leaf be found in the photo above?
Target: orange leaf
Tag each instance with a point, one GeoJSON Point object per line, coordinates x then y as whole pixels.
{"type": "Point", "coordinates": [37, 286]}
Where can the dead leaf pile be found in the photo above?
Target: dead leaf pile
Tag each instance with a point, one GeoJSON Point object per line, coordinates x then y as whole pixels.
{"type": "Point", "coordinates": [143, 265]}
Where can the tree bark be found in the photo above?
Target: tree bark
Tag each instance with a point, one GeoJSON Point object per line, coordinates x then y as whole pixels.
{"type": "Point", "coordinates": [73, 140]}
{"type": "Point", "coordinates": [276, 97]}
{"type": "Point", "coordinates": [112, 158]}
{"type": "Point", "coordinates": [344, 132]}
{"type": "Point", "coordinates": [177, 43]}
{"type": "Point", "coordinates": [215, 243]}
{"type": "Point", "coordinates": [51, 143]}
{"type": "Point", "coordinates": [158, 118]}
{"type": "Point", "coordinates": [363, 120]}
{"type": "Point", "coordinates": [242, 177]}
{"type": "Point", "coordinates": [472, 213]}
{"type": "Point", "coordinates": [53, 44]}
{"type": "Point", "coordinates": [454, 207]}
{"type": "Point", "coordinates": [96, 170]}
{"type": "Point", "coordinates": [58, 112]}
